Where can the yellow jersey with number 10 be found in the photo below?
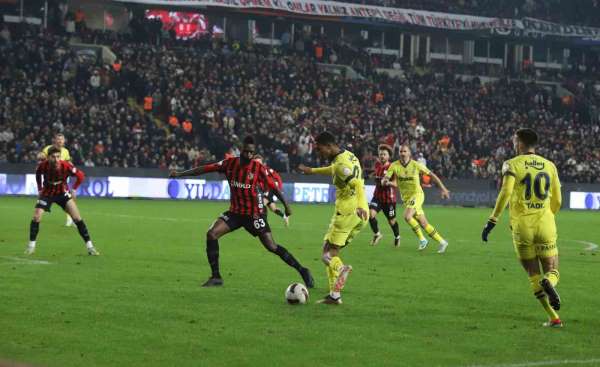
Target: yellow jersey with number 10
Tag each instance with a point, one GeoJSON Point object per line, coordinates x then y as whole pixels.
{"type": "Point", "coordinates": [346, 167]}
{"type": "Point", "coordinates": [64, 153]}
{"type": "Point", "coordinates": [408, 177]}
{"type": "Point", "coordinates": [536, 183]}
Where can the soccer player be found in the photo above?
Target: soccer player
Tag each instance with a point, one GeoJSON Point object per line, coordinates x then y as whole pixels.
{"type": "Point", "coordinates": [406, 172]}
{"type": "Point", "coordinates": [351, 210]}
{"type": "Point", "coordinates": [51, 176]}
{"type": "Point", "coordinates": [58, 141]}
{"type": "Point", "coordinates": [384, 198]}
{"type": "Point", "coordinates": [531, 185]}
{"type": "Point", "coordinates": [269, 198]}
{"type": "Point", "coordinates": [248, 179]}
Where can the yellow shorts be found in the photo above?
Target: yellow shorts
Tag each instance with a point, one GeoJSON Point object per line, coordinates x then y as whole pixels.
{"type": "Point", "coordinates": [415, 202]}
{"type": "Point", "coordinates": [343, 229]}
{"type": "Point", "coordinates": [535, 237]}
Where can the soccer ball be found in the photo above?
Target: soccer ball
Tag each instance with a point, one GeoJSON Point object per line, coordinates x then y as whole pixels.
{"type": "Point", "coordinates": [296, 293]}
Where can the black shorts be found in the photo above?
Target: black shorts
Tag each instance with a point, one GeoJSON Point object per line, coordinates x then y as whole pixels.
{"type": "Point", "coordinates": [270, 196]}
{"type": "Point", "coordinates": [45, 202]}
{"type": "Point", "coordinates": [389, 209]}
{"type": "Point", "coordinates": [253, 225]}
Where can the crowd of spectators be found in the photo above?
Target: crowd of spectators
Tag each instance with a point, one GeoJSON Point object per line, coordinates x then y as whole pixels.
{"type": "Point", "coordinates": [173, 105]}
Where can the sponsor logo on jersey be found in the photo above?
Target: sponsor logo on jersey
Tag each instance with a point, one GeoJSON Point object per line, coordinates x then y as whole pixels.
{"type": "Point", "coordinates": [405, 178]}
{"type": "Point", "coordinates": [241, 185]}
{"type": "Point", "coordinates": [534, 164]}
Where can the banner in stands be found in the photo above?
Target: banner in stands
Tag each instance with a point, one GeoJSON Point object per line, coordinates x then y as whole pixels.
{"type": "Point", "coordinates": [459, 22]}
{"type": "Point", "coordinates": [584, 200]}
{"type": "Point", "coordinates": [527, 27]}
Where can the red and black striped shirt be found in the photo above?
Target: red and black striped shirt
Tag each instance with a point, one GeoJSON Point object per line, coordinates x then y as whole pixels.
{"type": "Point", "coordinates": [55, 177]}
{"type": "Point", "coordinates": [276, 177]}
{"type": "Point", "coordinates": [383, 194]}
{"type": "Point", "coordinates": [246, 184]}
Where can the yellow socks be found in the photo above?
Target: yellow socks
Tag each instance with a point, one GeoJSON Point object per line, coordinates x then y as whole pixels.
{"type": "Point", "coordinates": [541, 296]}
{"type": "Point", "coordinates": [553, 276]}
{"type": "Point", "coordinates": [433, 233]}
{"type": "Point", "coordinates": [333, 271]}
{"type": "Point", "coordinates": [416, 228]}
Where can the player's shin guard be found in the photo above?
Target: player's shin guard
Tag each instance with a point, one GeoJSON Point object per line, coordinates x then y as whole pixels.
{"type": "Point", "coordinates": [553, 276]}
{"type": "Point", "coordinates": [534, 281]}
{"type": "Point", "coordinates": [433, 233]}
{"type": "Point", "coordinates": [396, 229]}
{"type": "Point", "coordinates": [212, 253]}
{"type": "Point", "coordinates": [278, 212]}
{"type": "Point", "coordinates": [83, 231]}
{"type": "Point", "coordinates": [34, 228]}
{"type": "Point", "coordinates": [287, 257]}
{"type": "Point", "coordinates": [374, 225]}
{"type": "Point", "coordinates": [414, 225]}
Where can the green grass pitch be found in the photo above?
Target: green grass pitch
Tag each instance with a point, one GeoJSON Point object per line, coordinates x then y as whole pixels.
{"type": "Point", "coordinates": [141, 304]}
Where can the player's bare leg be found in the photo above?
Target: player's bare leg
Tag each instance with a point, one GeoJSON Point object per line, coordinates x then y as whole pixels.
{"type": "Point", "coordinates": [532, 267]}
{"type": "Point", "coordinates": [410, 219]}
{"type": "Point", "coordinates": [34, 228]}
{"type": "Point", "coordinates": [550, 280]}
{"type": "Point", "coordinates": [217, 230]}
{"type": "Point", "coordinates": [269, 243]}
{"type": "Point", "coordinates": [377, 236]}
{"type": "Point", "coordinates": [394, 225]}
{"type": "Point", "coordinates": [73, 211]}
{"type": "Point", "coordinates": [337, 273]}
{"type": "Point", "coordinates": [433, 233]}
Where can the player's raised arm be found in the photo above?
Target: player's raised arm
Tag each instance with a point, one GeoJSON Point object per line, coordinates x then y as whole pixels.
{"type": "Point", "coordinates": [196, 171]}
{"type": "Point", "coordinates": [556, 194]}
{"type": "Point", "coordinates": [508, 185]}
{"type": "Point", "coordinates": [316, 171]}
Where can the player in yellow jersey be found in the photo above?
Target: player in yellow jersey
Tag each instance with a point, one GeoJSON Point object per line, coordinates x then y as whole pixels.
{"type": "Point", "coordinates": [351, 210]}
{"type": "Point", "coordinates": [405, 173]}
{"type": "Point", "coordinates": [58, 141]}
{"type": "Point", "coordinates": [530, 184]}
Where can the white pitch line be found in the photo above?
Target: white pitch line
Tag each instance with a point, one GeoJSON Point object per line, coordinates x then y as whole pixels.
{"type": "Point", "coordinates": [541, 363]}
{"type": "Point", "coordinates": [23, 261]}
{"type": "Point", "coordinates": [590, 245]}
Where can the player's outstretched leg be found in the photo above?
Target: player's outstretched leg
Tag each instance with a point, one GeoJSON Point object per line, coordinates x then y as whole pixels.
{"type": "Point", "coordinates": [433, 233]}
{"type": "Point", "coordinates": [409, 214]}
{"type": "Point", "coordinates": [73, 212]}
{"type": "Point", "coordinates": [396, 229]}
{"type": "Point", "coordinates": [267, 240]}
{"type": "Point", "coordinates": [34, 228]}
{"type": "Point", "coordinates": [532, 268]}
{"type": "Point", "coordinates": [377, 236]}
{"type": "Point", "coordinates": [218, 229]}
{"type": "Point", "coordinates": [337, 274]}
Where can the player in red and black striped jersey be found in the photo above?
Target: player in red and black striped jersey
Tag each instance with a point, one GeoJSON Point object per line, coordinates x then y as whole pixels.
{"type": "Point", "coordinates": [269, 195]}
{"type": "Point", "coordinates": [52, 177]}
{"type": "Point", "coordinates": [248, 179]}
{"type": "Point", "coordinates": [384, 197]}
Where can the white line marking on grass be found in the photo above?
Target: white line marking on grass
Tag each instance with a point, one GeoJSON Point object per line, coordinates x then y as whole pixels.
{"type": "Point", "coordinates": [592, 247]}
{"type": "Point", "coordinates": [23, 261]}
{"type": "Point", "coordinates": [541, 363]}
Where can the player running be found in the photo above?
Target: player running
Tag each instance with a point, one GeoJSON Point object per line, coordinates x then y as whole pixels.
{"type": "Point", "coordinates": [531, 185]}
{"type": "Point", "coordinates": [247, 180]}
{"type": "Point", "coordinates": [351, 210]}
{"type": "Point", "coordinates": [269, 198]}
{"type": "Point", "coordinates": [384, 198]}
{"type": "Point", "coordinates": [407, 173]}
{"type": "Point", "coordinates": [58, 141]}
{"type": "Point", "coordinates": [51, 176]}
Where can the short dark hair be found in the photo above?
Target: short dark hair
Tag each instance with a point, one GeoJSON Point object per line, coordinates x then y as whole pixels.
{"type": "Point", "coordinates": [53, 150]}
{"type": "Point", "coordinates": [325, 138]}
{"type": "Point", "coordinates": [248, 140]}
{"type": "Point", "coordinates": [386, 147]}
{"type": "Point", "coordinates": [527, 136]}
